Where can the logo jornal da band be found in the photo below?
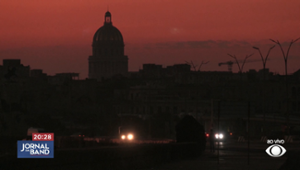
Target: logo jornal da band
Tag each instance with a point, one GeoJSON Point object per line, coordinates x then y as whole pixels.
{"type": "Point", "coordinates": [36, 149]}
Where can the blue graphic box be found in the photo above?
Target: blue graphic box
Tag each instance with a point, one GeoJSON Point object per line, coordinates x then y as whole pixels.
{"type": "Point", "coordinates": [35, 149]}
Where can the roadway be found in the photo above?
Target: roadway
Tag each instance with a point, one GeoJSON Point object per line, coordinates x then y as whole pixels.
{"type": "Point", "coordinates": [233, 156]}
{"type": "Point", "coordinates": [230, 156]}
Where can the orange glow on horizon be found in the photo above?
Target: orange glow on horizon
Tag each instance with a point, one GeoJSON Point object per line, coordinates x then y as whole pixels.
{"type": "Point", "coordinates": [60, 32]}
{"type": "Point", "coordinates": [59, 22]}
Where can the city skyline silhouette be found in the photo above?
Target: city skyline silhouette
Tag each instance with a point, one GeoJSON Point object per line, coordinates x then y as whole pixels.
{"type": "Point", "coordinates": [150, 84]}
{"type": "Point", "coordinates": [155, 35]}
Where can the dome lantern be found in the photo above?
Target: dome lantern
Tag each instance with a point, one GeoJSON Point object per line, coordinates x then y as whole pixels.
{"type": "Point", "coordinates": [107, 18]}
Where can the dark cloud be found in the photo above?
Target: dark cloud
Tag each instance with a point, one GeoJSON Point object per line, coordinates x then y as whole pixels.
{"type": "Point", "coordinates": [208, 44]}
{"type": "Point", "coordinates": [283, 43]}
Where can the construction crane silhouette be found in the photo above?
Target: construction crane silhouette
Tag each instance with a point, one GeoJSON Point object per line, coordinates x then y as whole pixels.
{"type": "Point", "coordinates": [230, 63]}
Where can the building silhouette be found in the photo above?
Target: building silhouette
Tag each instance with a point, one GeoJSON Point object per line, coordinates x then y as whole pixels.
{"type": "Point", "coordinates": [12, 69]}
{"type": "Point", "coordinates": [155, 94]}
{"type": "Point", "coordinates": [108, 57]}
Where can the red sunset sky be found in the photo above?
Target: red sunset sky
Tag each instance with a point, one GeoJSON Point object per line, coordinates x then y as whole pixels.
{"type": "Point", "coordinates": [56, 35]}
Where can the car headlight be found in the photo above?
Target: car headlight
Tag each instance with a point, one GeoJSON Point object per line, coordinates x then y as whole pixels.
{"type": "Point", "coordinates": [130, 137]}
{"type": "Point", "coordinates": [221, 136]}
{"type": "Point", "coordinates": [123, 137]}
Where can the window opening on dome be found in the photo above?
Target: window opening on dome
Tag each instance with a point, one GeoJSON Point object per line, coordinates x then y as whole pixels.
{"type": "Point", "coordinates": [107, 19]}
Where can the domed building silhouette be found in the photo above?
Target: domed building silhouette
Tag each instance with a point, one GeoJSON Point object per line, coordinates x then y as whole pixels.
{"type": "Point", "coordinates": [108, 57]}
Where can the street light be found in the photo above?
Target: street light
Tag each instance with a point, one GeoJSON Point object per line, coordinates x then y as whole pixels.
{"type": "Point", "coordinates": [195, 66]}
{"type": "Point", "coordinates": [192, 65]}
{"type": "Point", "coordinates": [285, 57]}
{"type": "Point", "coordinates": [264, 60]}
{"type": "Point", "coordinates": [237, 62]}
{"type": "Point", "coordinates": [202, 64]}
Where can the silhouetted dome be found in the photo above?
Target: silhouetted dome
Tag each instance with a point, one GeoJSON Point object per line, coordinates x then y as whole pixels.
{"type": "Point", "coordinates": [108, 33]}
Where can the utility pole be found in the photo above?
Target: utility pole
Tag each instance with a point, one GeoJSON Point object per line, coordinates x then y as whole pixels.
{"type": "Point", "coordinates": [219, 105]}
{"type": "Point", "coordinates": [212, 114]}
{"type": "Point", "coordinates": [264, 60]}
{"type": "Point", "coordinates": [248, 131]}
{"type": "Point", "coordinates": [285, 57]}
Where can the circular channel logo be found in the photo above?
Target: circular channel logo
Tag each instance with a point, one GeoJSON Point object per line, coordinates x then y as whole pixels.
{"type": "Point", "coordinates": [275, 150]}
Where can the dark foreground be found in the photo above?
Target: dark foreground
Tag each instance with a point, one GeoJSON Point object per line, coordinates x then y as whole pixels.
{"type": "Point", "coordinates": [123, 157]}
{"type": "Point", "coordinates": [234, 156]}
{"type": "Point", "coordinates": [161, 157]}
